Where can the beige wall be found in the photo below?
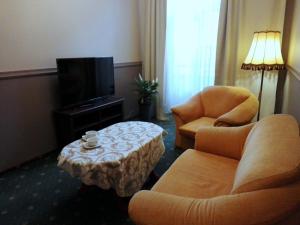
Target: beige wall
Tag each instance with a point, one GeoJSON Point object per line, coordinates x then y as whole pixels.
{"type": "Point", "coordinates": [27, 104]}
{"type": "Point", "coordinates": [258, 15]}
{"type": "Point", "coordinates": [33, 33]}
{"type": "Point", "coordinates": [291, 102]}
{"type": "Point", "coordinates": [294, 41]}
{"type": "Point", "coordinates": [26, 125]}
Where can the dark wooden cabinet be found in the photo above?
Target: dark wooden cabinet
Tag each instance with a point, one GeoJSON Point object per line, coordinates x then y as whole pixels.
{"type": "Point", "coordinates": [73, 122]}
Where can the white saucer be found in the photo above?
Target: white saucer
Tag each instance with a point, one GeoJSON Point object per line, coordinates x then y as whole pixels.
{"type": "Point", "coordinates": [85, 145]}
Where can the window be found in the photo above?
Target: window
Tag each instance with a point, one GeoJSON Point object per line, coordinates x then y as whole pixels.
{"type": "Point", "coordinates": [191, 39]}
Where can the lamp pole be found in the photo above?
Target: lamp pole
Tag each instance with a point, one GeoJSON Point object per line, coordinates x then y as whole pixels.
{"type": "Point", "coordinates": [260, 93]}
{"type": "Point", "coordinates": [264, 54]}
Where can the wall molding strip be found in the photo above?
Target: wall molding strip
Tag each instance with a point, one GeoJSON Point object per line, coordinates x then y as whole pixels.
{"type": "Point", "coordinates": [50, 71]}
{"type": "Point", "coordinates": [293, 71]}
{"type": "Point", "coordinates": [127, 64]}
{"type": "Point", "coordinates": [27, 73]}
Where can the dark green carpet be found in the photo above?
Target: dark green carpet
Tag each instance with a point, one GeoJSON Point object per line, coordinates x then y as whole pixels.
{"type": "Point", "coordinates": [39, 193]}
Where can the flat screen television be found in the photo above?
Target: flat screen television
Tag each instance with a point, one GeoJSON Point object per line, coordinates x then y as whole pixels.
{"type": "Point", "coordinates": [85, 79]}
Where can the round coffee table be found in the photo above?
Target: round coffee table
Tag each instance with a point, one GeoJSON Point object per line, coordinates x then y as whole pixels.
{"type": "Point", "coordinates": [127, 154]}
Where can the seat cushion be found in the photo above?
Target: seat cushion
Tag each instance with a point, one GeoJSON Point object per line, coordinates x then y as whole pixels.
{"type": "Point", "coordinates": [199, 175]}
{"type": "Point", "coordinates": [190, 129]}
{"type": "Point", "coordinates": [271, 155]}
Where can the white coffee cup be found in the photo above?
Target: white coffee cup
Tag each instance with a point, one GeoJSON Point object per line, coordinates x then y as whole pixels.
{"type": "Point", "coordinates": [91, 133]}
{"type": "Point", "coordinates": [92, 141]}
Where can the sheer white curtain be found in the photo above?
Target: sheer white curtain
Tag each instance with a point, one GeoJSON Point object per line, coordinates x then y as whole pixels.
{"type": "Point", "coordinates": [191, 39]}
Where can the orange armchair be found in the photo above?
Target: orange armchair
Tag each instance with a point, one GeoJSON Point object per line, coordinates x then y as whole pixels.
{"type": "Point", "coordinates": [214, 106]}
{"type": "Point", "coordinates": [247, 175]}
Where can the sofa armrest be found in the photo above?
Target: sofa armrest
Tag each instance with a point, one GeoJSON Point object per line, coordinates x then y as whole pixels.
{"type": "Point", "coordinates": [225, 141]}
{"type": "Point", "coordinates": [155, 208]}
{"type": "Point", "coordinates": [190, 110]}
{"type": "Point", "coordinates": [241, 114]}
{"type": "Point", "coordinates": [259, 207]}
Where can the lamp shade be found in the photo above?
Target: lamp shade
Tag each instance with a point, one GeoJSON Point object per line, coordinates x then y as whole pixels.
{"type": "Point", "coordinates": [265, 52]}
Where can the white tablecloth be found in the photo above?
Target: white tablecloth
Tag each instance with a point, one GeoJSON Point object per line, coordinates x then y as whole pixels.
{"type": "Point", "coordinates": [127, 154]}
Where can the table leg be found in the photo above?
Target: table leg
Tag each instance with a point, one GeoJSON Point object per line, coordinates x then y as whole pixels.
{"type": "Point", "coordinates": [83, 188]}
{"type": "Point", "coordinates": [154, 177]}
{"type": "Point", "coordinates": [122, 204]}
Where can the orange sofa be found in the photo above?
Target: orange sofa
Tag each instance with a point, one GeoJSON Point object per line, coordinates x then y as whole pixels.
{"type": "Point", "coordinates": [214, 106]}
{"type": "Point", "coordinates": [248, 175]}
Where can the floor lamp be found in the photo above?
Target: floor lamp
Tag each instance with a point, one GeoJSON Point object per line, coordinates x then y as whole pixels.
{"type": "Point", "coordinates": [264, 54]}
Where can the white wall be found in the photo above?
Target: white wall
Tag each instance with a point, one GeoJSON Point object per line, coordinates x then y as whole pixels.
{"type": "Point", "coordinates": [33, 33]}
{"type": "Point", "coordinates": [291, 102]}
{"type": "Point", "coordinates": [294, 42]}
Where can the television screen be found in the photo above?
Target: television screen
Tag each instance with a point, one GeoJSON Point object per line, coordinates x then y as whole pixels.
{"type": "Point", "coordinates": [83, 79]}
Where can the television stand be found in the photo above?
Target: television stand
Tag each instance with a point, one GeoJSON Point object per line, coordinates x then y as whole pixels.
{"type": "Point", "coordinates": [86, 105]}
{"type": "Point", "coordinates": [72, 122]}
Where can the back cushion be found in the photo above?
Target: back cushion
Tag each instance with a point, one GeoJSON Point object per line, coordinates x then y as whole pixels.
{"type": "Point", "coordinates": [218, 100]}
{"type": "Point", "coordinates": [271, 155]}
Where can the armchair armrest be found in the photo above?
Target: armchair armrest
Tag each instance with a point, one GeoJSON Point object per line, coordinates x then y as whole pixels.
{"type": "Point", "coordinates": [241, 114]}
{"type": "Point", "coordinates": [225, 141]}
{"type": "Point", "coordinates": [259, 207]}
{"type": "Point", "coordinates": [190, 110]}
